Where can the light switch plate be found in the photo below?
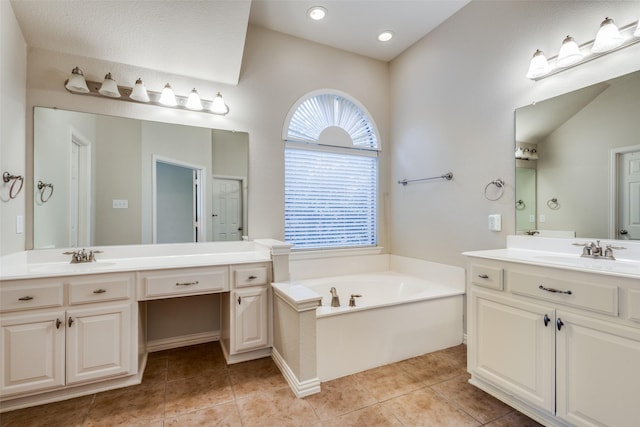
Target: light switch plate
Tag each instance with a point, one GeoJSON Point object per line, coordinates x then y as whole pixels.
{"type": "Point", "coordinates": [495, 222]}
{"type": "Point", "coordinates": [120, 204]}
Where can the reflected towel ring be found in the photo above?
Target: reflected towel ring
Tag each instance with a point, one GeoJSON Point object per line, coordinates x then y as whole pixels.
{"type": "Point", "coordinates": [43, 188]}
{"type": "Point", "coordinates": [520, 205]}
{"type": "Point", "coordinates": [499, 184]}
{"type": "Point", "coordinates": [553, 204]}
{"type": "Point", "coordinates": [13, 193]}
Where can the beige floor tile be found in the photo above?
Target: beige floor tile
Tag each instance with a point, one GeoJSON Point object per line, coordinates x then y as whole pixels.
{"type": "Point", "coordinates": [225, 415]}
{"type": "Point", "coordinates": [189, 394]}
{"type": "Point", "coordinates": [191, 366]}
{"type": "Point", "coordinates": [388, 381]}
{"type": "Point", "coordinates": [431, 368]}
{"type": "Point", "coordinates": [514, 419]}
{"type": "Point", "coordinates": [425, 408]}
{"type": "Point", "coordinates": [138, 406]}
{"type": "Point", "coordinates": [256, 376]}
{"type": "Point", "coordinates": [70, 412]}
{"type": "Point", "coordinates": [339, 397]}
{"type": "Point", "coordinates": [276, 408]}
{"type": "Point", "coordinates": [155, 371]}
{"type": "Point", "coordinates": [375, 415]}
{"type": "Point", "coordinates": [475, 402]}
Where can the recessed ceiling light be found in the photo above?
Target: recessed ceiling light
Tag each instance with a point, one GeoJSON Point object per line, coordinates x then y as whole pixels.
{"type": "Point", "coordinates": [317, 13]}
{"type": "Point", "coordinates": [385, 36]}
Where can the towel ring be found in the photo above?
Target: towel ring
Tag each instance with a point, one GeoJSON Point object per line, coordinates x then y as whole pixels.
{"type": "Point", "coordinates": [553, 204]}
{"type": "Point", "coordinates": [520, 205]}
{"type": "Point", "coordinates": [43, 188]}
{"type": "Point", "coordinates": [499, 184]}
{"type": "Point", "coordinates": [13, 193]}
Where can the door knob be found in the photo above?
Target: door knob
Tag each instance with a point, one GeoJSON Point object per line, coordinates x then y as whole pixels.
{"type": "Point", "coordinates": [623, 231]}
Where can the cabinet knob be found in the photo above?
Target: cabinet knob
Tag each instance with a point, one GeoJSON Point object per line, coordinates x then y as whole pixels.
{"type": "Point", "coordinates": [58, 323]}
{"type": "Point", "coordinates": [239, 300]}
{"type": "Point", "coordinates": [546, 320]}
{"type": "Point", "coordinates": [70, 322]}
{"type": "Point", "coordinates": [560, 324]}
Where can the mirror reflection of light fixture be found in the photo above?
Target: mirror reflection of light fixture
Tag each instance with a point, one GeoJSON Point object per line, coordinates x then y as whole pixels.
{"type": "Point", "coordinates": [193, 101]}
{"type": "Point", "coordinates": [526, 153]}
{"type": "Point", "coordinates": [608, 37]}
{"type": "Point", "coordinates": [139, 92]}
{"type": "Point", "coordinates": [109, 87]}
{"type": "Point", "coordinates": [76, 82]}
{"type": "Point", "coordinates": [519, 153]}
{"type": "Point", "coordinates": [77, 85]}
{"type": "Point", "coordinates": [569, 53]}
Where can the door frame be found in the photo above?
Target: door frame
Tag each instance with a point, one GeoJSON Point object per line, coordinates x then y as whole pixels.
{"type": "Point", "coordinates": [199, 209]}
{"type": "Point", "coordinates": [84, 188]}
{"type": "Point", "coordinates": [614, 179]}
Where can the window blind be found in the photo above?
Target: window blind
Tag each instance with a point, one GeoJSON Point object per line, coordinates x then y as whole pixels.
{"type": "Point", "coordinates": [330, 199]}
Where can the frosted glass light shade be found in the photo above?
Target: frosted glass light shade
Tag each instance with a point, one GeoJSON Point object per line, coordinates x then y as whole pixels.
{"type": "Point", "coordinates": [109, 87]}
{"type": "Point", "coordinates": [637, 31]}
{"type": "Point", "coordinates": [139, 92]}
{"type": "Point", "coordinates": [167, 97]}
{"type": "Point", "coordinates": [569, 53]}
{"type": "Point", "coordinates": [519, 153]}
{"type": "Point", "coordinates": [218, 106]}
{"type": "Point", "coordinates": [194, 102]}
{"type": "Point", "coordinates": [76, 82]}
{"type": "Point", "coordinates": [539, 65]}
{"type": "Point", "coordinates": [608, 37]}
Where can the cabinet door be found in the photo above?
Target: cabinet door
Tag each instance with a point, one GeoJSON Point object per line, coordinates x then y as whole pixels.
{"type": "Point", "coordinates": [251, 321]}
{"type": "Point", "coordinates": [512, 347]}
{"type": "Point", "coordinates": [98, 342]}
{"type": "Point", "coordinates": [32, 352]}
{"type": "Point", "coordinates": [598, 372]}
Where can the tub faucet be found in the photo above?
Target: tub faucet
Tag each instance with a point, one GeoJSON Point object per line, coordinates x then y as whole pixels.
{"type": "Point", "coordinates": [352, 300]}
{"type": "Point", "coordinates": [335, 300]}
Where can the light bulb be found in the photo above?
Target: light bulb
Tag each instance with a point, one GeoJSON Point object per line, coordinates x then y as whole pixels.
{"type": "Point", "coordinates": [317, 13]}
{"type": "Point", "coordinates": [385, 36]}
{"type": "Point", "coordinates": [193, 102]}
{"type": "Point", "coordinates": [569, 53]}
{"type": "Point", "coordinates": [139, 92]}
{"type": "Point", "coordinates": [167, 97]}
{"type": "Point", "coordinates": [76, 82]}
{"type": "Point", "coordinates": [608, 37]}
{"type": "Point", "coordinates": [539, 65]}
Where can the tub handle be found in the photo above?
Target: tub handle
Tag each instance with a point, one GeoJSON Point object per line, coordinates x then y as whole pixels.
{"type": "Point", "coordinates": [352, 300]}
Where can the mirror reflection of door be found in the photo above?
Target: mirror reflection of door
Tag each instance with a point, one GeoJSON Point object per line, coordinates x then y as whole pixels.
{"type": "Point", "coordinates": [79, 191]}
{"type": "Point", "coordinates": [227, 209]}
{"type": "Point", "coordinates": [629, 195]}
{"type": "Point", "coordinates": [178, 203]}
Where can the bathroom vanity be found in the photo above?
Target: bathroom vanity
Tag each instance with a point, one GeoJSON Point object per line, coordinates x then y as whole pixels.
{"type": "Point", "coordinates": [556, 335]}
{"type": "Point", "coordinates": [72, 329]}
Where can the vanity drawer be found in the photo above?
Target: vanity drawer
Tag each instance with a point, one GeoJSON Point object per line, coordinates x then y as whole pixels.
{"type": "Point", "coordinates": [602, 298]}
{"type": "Point", "coordinates": [486, 276]}
{"type": "Point", "coordinates": [32, 294]}
{"type": "Point", "coordinates": [184, 281]}
{"type": "Point", "coordinates": [254, 275]}
{"type": "Point", "coordinates": [100, 288]}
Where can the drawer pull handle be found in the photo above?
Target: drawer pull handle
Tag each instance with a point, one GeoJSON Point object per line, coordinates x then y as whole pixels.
{"type": "Point", "coordinates": [560, 324]}
{"type": "Point", "coordinates": [483, 276]}
{"type": "Point", "coordinates": [99, 291]}
{"type": "Point", "coordinates": [27, 298]}
{"type": "Point", "coordinates": [556, 291]}
{"type": "Point", "coordinates": [546, 320]}
{"type": "Point", "coordinates": [70, 322]}
{"type": "Point", "coordinates": [252, 277]}
{"type": "Point", "coordinates": [187, 283]}
{"type": "Point", "coordinates": [58, 323]}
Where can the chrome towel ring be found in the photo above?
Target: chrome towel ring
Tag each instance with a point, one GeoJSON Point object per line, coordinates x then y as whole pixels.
{"type": "Point", "coordinates": [499, 189]}
{"type": "Point", "coordinates": [43, 188]}
{"type": "Point", "coordinates": [13, 193]}
{"type": "Point", "coordinates": [553, 204]}
{"type": "Point", "coordinates": [520, 205]}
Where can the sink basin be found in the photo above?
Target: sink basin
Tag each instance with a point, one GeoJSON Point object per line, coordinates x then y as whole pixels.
{"type": "Point", "coordinates": [71, 268]}
{"type": "Point", "coordinates": [614, 266]}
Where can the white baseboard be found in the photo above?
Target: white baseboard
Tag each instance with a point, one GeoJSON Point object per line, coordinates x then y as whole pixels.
{"type": "Point", "coordinates": [299, 388]}
{"type": "Point", "coordinates": [182, 341]}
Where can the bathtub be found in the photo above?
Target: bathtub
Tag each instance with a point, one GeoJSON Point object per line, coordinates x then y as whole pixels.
{"type": "Point", "coordinates": [397, 317]}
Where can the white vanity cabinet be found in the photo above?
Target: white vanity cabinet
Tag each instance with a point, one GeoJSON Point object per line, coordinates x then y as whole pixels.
{"type": "Point", "coordinates": [62, 331]}
{"type": "Point", "coordinates": [246, 323]}
{"type": "Point", "coordinates": [562, 346]}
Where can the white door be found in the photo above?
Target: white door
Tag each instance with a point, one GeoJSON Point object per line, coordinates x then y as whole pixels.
{"type": "Point", "coordinates": [598, 372]}
{"type": "Point", "coordinates": [97, 342]}
{"type": "Point", "coordinates": [74, 195]}
{"type": "Point", "coordinates": [227, 209]}
{"type": "Point", "coordinates": [251, 321]}
{"type": "Point", "coordinates": [629, 196]}
{"type": "Point", "coordinates": [32, 355]}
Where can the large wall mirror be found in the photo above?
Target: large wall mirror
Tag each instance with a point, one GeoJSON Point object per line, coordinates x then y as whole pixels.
{"type": "Point", "coordinates": [102, 180]}
{"type": "Point", "coordinates": [585, 181]}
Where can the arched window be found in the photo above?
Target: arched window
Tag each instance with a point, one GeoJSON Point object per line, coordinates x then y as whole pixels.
{"type": "Point", "coordinates": [331, 173]}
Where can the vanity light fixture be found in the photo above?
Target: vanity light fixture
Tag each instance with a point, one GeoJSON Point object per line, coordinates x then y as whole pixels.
{"type": "Point", "coordinates": [608, 39]}
{"type": "Point", "coordinates": [385, 36]}
{"type": "Point", "coordinates": [317, 13]}
{"type": "Point", "coordinates": [109, 87]}
{"type": "Point", "coordinates": [77, 85]}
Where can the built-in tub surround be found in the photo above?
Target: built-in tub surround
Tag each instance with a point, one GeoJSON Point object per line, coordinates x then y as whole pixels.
{"type": "Point", "coordinates": [408, 307]}
{"type": "Point", "coordinates": [554, 334]}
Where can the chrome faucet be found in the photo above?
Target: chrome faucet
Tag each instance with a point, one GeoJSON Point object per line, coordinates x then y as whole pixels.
{"type": "Point", "coordinates": [594, 250]}
{"type": "Point", "coordinates": [82, 256]}
{"type": "Point", "coordinates": [335, 300]}
{"type": "Point", "coordinates": [352, 300]}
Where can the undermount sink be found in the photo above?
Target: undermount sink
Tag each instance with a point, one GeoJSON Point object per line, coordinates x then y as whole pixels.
{"type": "Point", "coordinates": [71, 268]}
{"type": "Point", "coordinates": [592, 263]}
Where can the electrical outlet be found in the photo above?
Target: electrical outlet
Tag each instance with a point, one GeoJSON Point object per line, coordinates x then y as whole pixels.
{"type": "Point", "coordinates": [542, 218]}
{"type": "Point", "coordinates": [19, 224]}
{"type": "Point", "coordinates": [532, 219]}
{"type": "Point", "coordinates": [495, 222]}
{"type": "Point", "coordinates": [120, 204]}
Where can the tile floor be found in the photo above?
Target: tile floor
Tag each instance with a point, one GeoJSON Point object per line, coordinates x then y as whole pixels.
{"type": "Point", "coordinates": [193, 386]}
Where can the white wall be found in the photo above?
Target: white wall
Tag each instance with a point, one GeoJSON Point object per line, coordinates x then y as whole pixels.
{"type": "Point", "coordinates": [13, 68]}
{"type": "Point", "coordinates": [453, 97]}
